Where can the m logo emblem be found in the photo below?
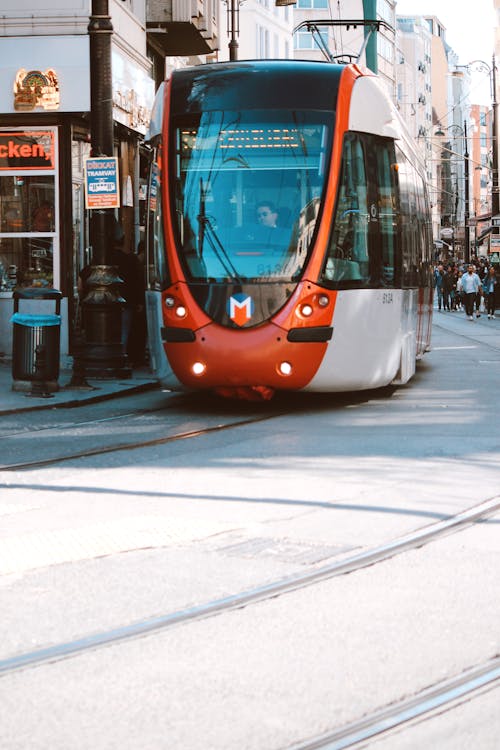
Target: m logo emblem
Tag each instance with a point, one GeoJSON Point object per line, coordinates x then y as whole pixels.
{"type": "Point", "coordinates": [240, 308]}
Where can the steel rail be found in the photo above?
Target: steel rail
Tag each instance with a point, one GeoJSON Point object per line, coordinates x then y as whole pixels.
{"type": "Point", "coordinates": [137, 444]}
{"type": "Point", "coordinates": [425, 702]}
{"type": "Point", "coordinates": [240, 600]}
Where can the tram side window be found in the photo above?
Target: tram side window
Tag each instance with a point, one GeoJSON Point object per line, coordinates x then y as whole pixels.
{"type": "Point", "coordinates": [387, 216]}
{"type": "Point", "coordinates": [157, 273]}
{"type": "Point", "coordinates": [409, 223]}
{"type": "Point", "coordinates": [424, 235]}
{"type": "Point", "coordinates": [362, 249]}
{"type": "Point", "coordinates": [347, 257]}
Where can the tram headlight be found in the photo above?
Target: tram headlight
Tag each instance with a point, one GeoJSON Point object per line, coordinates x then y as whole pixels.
{"type": "Point", "coordinates": [181, 311]}
{"type": "Point", "coordinates": [306, 310]}
{"type": "Point", "coordinates": [169, 302]}
{"type": "Point", "coordinates": [285, 368]}
{"type": "Point", "coordinates": [198, 368]}
{"type": "Point", "coordinates": [323, 300]}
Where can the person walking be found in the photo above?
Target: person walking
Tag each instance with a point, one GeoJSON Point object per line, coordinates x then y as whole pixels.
{"type": "Point", "coordinates": [489, 285]}
{"type": "Point", "coordinates": [447, 288]}
{"type": "Point", "coordinates": [471, 286]}
{"type": "Point", "coordinates": [458, 291]}
{"type": "Point", "coordinates": [438, 283]}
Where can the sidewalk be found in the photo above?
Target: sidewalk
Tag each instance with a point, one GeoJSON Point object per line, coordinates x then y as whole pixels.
{"type": "Point", "coordinates": [99, 390]}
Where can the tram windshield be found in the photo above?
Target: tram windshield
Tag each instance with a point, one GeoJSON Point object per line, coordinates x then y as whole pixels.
{"type": "Point", "coordinates": [248, 189]}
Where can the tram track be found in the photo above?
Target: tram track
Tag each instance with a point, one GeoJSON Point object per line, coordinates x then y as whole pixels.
{"type": "Point", "coordinates": [239, 600]}
{"type": "Point", "coordinates": [439, 697]}
{"type": "Point", "coordinates": [137, 444]}
{"type": "Point", "coordinates": [224, 416]}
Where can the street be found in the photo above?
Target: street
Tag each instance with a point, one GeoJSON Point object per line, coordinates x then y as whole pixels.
{"type": "Point", "coordinates": [157, 503]}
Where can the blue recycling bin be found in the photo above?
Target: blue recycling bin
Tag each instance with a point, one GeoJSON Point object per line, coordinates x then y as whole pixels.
{"type": "Point", "coordinates": [36, 339]}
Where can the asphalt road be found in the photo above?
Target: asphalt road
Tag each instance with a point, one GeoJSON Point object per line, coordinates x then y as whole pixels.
{"type": "Point", "coordinates": [108, 539]}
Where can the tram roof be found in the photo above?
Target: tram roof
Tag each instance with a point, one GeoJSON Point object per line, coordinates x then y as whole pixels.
{"type": "Point", "coordinates": [250, 84]}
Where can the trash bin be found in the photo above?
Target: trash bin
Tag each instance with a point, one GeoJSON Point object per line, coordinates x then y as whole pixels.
{"type": "Point", "coordinates": [36, 341]}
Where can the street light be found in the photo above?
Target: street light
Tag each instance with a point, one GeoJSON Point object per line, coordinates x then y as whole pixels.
{"type": "Point", "coordinates": [233, 22]}
{"type": "Point", "coordinates": [100, 352]}
{"type": "Point", "coordinates": [482, 66]}
{"type": "Point", "coordinates": [463, 132]}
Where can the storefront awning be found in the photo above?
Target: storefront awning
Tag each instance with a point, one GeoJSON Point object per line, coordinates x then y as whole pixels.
{"type": "Point", "coordinates": [483, 234]}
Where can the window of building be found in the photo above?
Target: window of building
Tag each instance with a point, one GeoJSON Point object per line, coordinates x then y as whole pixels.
{"type": "Point", "coordinates": [386, 12]}
{"type": "Point", "coordinates": [263, 43]}
{"type": "Point", "coordinates": [305, 40]}
{"type": "Point", "coordinates": [28, 207]}
{"type": "Point", "coordinates": [316, 4]}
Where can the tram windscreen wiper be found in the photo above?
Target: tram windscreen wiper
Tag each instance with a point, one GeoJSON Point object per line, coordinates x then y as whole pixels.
{"type": "Point", "coordinates": [206, 231]}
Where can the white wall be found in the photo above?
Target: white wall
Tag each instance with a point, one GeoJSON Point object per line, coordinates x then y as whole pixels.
{"type": "Point", "coordinates": [265, 31]}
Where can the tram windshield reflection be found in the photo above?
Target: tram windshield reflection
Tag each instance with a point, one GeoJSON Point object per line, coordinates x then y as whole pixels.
{"type": "Point", "coordinates": [229, 163]}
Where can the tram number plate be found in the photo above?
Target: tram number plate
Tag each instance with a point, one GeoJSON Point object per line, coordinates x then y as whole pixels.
{"type": "Point", "coordinates": [387, 298]}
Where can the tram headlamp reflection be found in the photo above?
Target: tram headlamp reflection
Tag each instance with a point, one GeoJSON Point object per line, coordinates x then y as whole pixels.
{"type": "Point", "coordinates": [198, 368]}
{"type": "Point", "coordinates": [285, 368]}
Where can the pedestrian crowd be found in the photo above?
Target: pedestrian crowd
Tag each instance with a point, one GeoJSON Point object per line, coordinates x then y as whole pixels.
{"type": "Point", "coordinates": [470, 287]}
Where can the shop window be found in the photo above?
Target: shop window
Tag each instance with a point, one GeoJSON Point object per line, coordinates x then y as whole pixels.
{"type": "Point", "coordinates": [28, 228]}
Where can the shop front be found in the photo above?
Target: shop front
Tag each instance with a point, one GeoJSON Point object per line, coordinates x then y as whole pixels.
{"type": "Point", "coordinates": [44, 142]}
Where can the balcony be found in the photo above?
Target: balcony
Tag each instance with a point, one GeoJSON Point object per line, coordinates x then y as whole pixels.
{"type": "Point", "coordinates": [183, 27]}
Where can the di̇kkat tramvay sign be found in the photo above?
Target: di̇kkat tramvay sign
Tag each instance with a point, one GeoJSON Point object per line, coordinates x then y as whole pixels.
{"type": "Point", "coordinates": [102, 186]}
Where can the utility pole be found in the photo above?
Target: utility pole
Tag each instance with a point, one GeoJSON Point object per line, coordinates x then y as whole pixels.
{"type": "Point", "coordinates": [370, 13]}
{"type": "Point", "coordinates": [100, 353]}
{"type": "Point", "coordinates": [233, 27]}
{"type": "Point", "coordinates": [494, 106]}
{"type": "Point", "coordinates": [467, 197]}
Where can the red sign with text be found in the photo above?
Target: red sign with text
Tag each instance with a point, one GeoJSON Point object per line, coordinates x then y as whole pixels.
{"type": "Point", "coordinates": [28, 149]}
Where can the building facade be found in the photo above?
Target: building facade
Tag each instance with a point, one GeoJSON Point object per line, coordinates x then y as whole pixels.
{"type": "Point", "coordinates": [45, 132]}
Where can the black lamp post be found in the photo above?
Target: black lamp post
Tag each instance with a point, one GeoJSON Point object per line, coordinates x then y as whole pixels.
{"type": "Point", "coordinates": [467, 197]}
{"type": "Point", "coordinates": [495, 208]}
{"type": "Point", "coordinates": [233, 22]}
{"type": "Point", "coordinates": [463, 132]}
{"type": "Point", "coordinates": [233, 27]}
{"type": "Point", "coordinates": [481, 65]}
{"type": "Point", "coordinates": [100, 353]}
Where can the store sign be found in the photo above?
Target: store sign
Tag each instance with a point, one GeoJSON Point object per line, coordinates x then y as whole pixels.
{"type": "Point", "coordinates": [130, 112]}
{"type": "Point", "coordinates": [101, 182]}
{"type": "Point", "coordinates": [27, 149]}
{"type": "Point", "coordinates": [34, 89]}
{"type": "Point", "coordinates": [133, 93]}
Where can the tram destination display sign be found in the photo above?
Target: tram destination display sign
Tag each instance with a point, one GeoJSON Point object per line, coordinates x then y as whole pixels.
{"type": "Point", "coordinates": [101, 182]}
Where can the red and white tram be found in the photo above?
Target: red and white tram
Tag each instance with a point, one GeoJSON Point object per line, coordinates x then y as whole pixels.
{"type": "Point", "coordinates": [337, 295]}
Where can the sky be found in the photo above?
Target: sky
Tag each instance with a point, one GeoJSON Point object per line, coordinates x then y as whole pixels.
{"type": "Point", "coordinates": [469, 31]}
